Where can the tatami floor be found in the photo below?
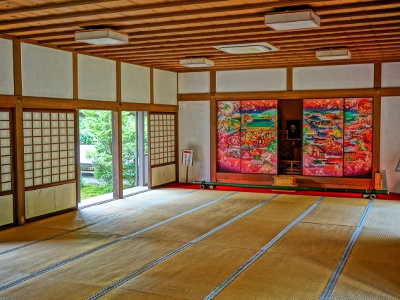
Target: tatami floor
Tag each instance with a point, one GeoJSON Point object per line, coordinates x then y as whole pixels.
{"type": "Point", "coordinates": [205, 244]}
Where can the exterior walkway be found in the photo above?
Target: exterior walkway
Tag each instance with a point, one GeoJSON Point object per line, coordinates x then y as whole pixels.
{"type": "Point", "coordinates": [109, 196]}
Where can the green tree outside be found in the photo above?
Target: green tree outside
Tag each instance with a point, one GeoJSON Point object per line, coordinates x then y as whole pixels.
{"type": "Point", "coordinates": [96, 129]}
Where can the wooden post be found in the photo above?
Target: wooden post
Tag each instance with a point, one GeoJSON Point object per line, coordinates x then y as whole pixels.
{"type": "Point", "coordinates": [213, 127]}
{"type": "Point", "coordinates": [18, 138]}
{"type": "Point", "coordinates": [117, 154]}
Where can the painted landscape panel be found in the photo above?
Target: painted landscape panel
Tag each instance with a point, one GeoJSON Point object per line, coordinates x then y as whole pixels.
{"type": "Point", "coordinates": [259, 143]}
{"type": "Point", "coordinates": [228, 130]}
{"type": "Point", "coordinates": [358, 137]}
{"type": "Point", "coordinates": [323, 137]}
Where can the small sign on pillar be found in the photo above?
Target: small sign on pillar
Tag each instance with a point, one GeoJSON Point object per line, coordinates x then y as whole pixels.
{"type": "Point", "coordinates": [187, 160]}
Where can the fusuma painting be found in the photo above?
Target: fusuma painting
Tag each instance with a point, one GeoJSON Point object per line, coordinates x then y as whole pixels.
{"type": "Point", "coordinates": [259, 136]}
{"type": "Point", "coordinates": [247, 136]}
{"type": "Point", "coordinates": [323, 137]}
{"type": "Point", "coordinates": [228, 125]}
{"type": "Point", "coordinates": [358, 137]}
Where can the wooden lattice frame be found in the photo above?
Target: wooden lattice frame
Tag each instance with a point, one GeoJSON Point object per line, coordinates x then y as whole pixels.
{"type": "Point", "coordinates": [5, 152]}
{"type": "Point", "coordinates": [49, 147]}
{"type": "Point", "coordinates": [162, 135]}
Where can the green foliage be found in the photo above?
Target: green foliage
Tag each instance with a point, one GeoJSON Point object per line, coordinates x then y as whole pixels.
{"type": "Point", "coordinates": [96, 128]}
{"type": "Point", "coordinates": [92, 190]}
{"type": "Point", "coordinates": [129, 147]}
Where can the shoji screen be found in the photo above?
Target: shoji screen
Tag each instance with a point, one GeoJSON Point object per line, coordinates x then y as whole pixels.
{"type": "Point", "coordinates": [49, 161]}
{"type": "Point", "coordinates": [6, 180]}
{"type": "Point", "coordinates": [162, 154]}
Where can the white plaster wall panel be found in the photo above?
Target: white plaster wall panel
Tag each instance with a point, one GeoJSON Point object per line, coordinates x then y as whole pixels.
{"type": "Point", "coordinates": [194, 134]}
{"type": "Point", "coordinates": [165, 87]}
{"type": "Point", "coordinates": [65, 196]}
{"type": "Point", "coordinates": [390, 142]}
{"type": "Point", "coordinates": [162, 175]}
{"type": "Point", "coordinates": [40, 202]}
{"type": "Point", "coordinates": [46, 72]}
{"type": "Point", "coordinates": [196, 82]}
{"type": "Point", "coordinates": [135, 83]}
{"type": "Point", "coordinates": [96, 78]}
{"type": "Point", "coordinates": [391, 74]}
{"type": "Point", "coordinates": [6, 210]}
{"type": "Point", "coordinates": [6, 67]}
{"type": "Point", "coordinates": [333, 77]}
{"type": "Point", "coordinates": [252, 80]}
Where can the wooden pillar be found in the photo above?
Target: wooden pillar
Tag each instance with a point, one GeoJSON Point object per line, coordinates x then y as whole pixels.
{"type": "Point", "coordinates": [117, 140]}
{"type": "Point", "coordinates": [151, 86]}
{"type": "Point", "coordinates": [149, 178]}
{"type": "Point", "coordinates": [213, 127]}
{"type": "Point", "coordinates": [289, 78]}
{"type": "Point", "coordinates": [18, 138]}
{"type": "Point", "coordinates": [77, 130]}
{"type": "Point", "coordinates": [141, 165]}
{"type": "Point", "coordinates": [117, 154]}
{"type": "Point", "coordinates": [376, 120]}
{"type": "Point", "coordinates": [75, 76]}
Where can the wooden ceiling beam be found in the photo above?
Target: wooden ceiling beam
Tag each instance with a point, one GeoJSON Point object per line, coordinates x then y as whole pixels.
{"type": "Point", "coordinates": [209, 42]}
{"type": "Point", "coordinates": [222, 55]}
{"type": "Point", "coordinates": [332, 26]}
{"type": "Point", "coordinates": [58, 5]}
{"type": "Point", "coordinates": [192, 13]}
{"type": "Point", "coordinates": [236, 31]}
{"type": "Point", "coordinates": [109, 11]}
{"type": "Point", "coordinates": [310, 55]}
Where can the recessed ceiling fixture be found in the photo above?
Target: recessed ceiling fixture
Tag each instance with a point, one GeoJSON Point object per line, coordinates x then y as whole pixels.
{"type": "Point", "coordinates": [101, 37]}
{"type": "Point", "coordinates": [292, 20]}
{"type": "Point", "coordinates": [247, 48]}
{"type": "Point", "coordinates": [333, 54]}
{"type": "Point", "coordinates": [196, 62]}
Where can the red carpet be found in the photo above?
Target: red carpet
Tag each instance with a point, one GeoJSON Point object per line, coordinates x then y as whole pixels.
{"type": "Point", "coordinates": [391, 196]}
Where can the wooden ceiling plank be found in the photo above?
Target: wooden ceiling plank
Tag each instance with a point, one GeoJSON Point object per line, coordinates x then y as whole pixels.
{"type": "Point", "coordinates": [52, 5]}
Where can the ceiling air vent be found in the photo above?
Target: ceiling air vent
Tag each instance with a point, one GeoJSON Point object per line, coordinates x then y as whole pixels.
{"type": "Point", "coordinates": [247, 48]}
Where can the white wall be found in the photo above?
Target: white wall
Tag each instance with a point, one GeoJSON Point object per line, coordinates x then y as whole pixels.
{"type": "Point", "coordinates": [194, 134]}
{"type": "Point", "coordinates": [333, 77]}
{"type": "Point", "coordinates": [390, 142]}
{"type": "Point", "coordinates": [135, 83]}
{"type": "Point", "coordinates": [6, 67]}
{"type": "Point", "coordinates": [6, 210]}
{"type": "Point", "coordinates": [96, 78]}
{"type": "Point", "coordinates": [391, 74]}
{"type": "Point", "coordinates": [197, 82]}
{"type": "Point", "coordinates": [46, 72]}
{"type": "Point", "coordinates": [48, 200]}
{"type": "Point", "coordinates": [162, 175]}
{"type": "Point", "coordinates": [252, 80]}
{"type": "Point", "coordinates": [165, 87]}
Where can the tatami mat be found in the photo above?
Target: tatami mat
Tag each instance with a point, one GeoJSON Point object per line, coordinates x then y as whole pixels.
{"type": "Point", "coordinates": [298, 266]}
{"type": "Point", "coordinates": [339, 211]}
{"type": "Point", "coordinates": [196, 224]}
{"type": "Point", "coordinates": [43, 255]}
{"type": "Point", "coordinates": [232, 227]}
{"type": "Point", "coordinates": [138, 220]}
{"type": "Point", "coordinates": [16, 237]}
{"type": "Point", "coordinates": [373, 269]}
{"type": "Point", "coordinates": [92, 214]}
